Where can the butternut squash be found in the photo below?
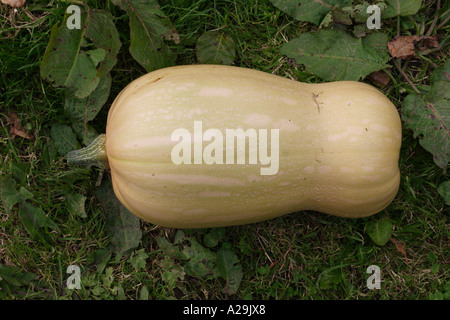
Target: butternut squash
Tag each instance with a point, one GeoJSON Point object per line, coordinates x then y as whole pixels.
{"type": "Point", "coordinates": [207, 146]}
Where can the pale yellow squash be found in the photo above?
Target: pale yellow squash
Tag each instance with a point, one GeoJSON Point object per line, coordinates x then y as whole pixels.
{"type": "Point", "coordinates": [338, 147]}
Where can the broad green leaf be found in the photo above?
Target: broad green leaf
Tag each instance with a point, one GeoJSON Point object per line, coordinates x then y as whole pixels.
{"type": "Point", "coordinates": [230, 269]}
{"type": "Point", "coordinates": [108, 277]}
{"type": "Point", "coordinates": [336, 55]}
{"type": "Point", "coordinates": [98, 290]}
{"type": "Point", "coordinates": [97, 55]}
{"type": "Point", "coordinates": [337, 15]}
{"type": "Point", "coordinates": [9, 194]}
{"type": "Point", "coordinates": [401, 8]}
{"type": "Point", "coordinates": [428, 115]}
{"type": "Point", "coordinates": [75, 204]}
{"type": "Point", "coordinates": [86, 109]}
{"type": "Point", "coordinates": [13, 277]}
{"type": "Point", "coordinates": [199, 261]}
{"type": "Point", "coordinates": [213, 237]}
{"type": "Point", "coordinates": [36, 223]}
{"type": "Point", "coordinates": [444, 191]}
{"type": "Point", "coordinates": [359, 12]}
{"type": "Point", "coordinates": [149, 27]}
{"type": "Point", "coordinates": [309, 10]}
{"type": "Point", "coordinates": [329, 278]}
{"type": "Point", "coordinates": [171, 276]}
{"type": "Point", "coordinates": [99, 258]}
{"type": "Point", "coordinates": [379, 231]}
{"type": "Point", "coordinates": [179, 236]}
{"type": "Point", "coordinates": [120, 293]}
{"type": "Point", "coordinates": [103, 33]}
{"type": "Point", "coordinates": [81, 111]}
{"type": "Point", "coordinates": [202, 261]}
{"type": "Point", "coordinates": [341, 16]}
{"type": "Point", "coordinates": [25, 194]}
{"type": "Point", "coordinates": [171, 250]}
{"type": "Point", "coordinates": [215, 47]}
{"type": "Point", "coordinates": [245, 246]}
{"type": "Point", "coordinates": [65, 64]}
{"type": "Point", "coordinates": [138, 259]}
{"type": "Point", "coordinates": [144, 295]}
{"type": "Point", "coordinates": [19, 171]}
{"type": "Point", "coordinates": [86, 133]}
{"type": "Point", "coordinates": [64, 138]}
{"type": "Point", "coordinates": [79, 58]}
{"type": "Point", "coordinates": [121, 225]}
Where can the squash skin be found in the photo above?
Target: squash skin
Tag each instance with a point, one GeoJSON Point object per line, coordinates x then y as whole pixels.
{"type": "Point", "coordinates": [339, 147]}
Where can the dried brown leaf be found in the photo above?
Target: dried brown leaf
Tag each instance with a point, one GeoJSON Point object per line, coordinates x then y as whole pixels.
{"type": "Point", "coordinates": [14, 3]}
{"type": "Point", "coordinates": [430, 42]}
{"type": "Point", "coordinates": [400, 247]}
{"type": "Point", "coordinates": [379, 78]}
{"type": "Point", "coordinates": [16, 128]}
{"type": "Point", "coordinates": [405, 46]}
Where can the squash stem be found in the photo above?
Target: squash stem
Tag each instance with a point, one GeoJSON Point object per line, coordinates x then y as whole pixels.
{"type": "Point", "coordinates": [94, 154]}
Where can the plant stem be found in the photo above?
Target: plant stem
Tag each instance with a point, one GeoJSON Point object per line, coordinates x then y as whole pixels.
{"type": "Point", "coordinates": [399, 68]}
{"type": "Point", "coordinates": [94, 154]}
{"type": "Point", "coordinates": [433, 24]}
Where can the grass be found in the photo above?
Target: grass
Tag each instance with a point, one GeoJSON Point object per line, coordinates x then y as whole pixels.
{"type": "Point", "coordinates": [304, 255]}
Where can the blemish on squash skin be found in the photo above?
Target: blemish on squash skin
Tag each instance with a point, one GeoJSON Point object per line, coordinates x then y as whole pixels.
{"type": "Point", "coordinates": [157, 79]}
{"type": "Point", "coordinates": [318, 155]}
{"type": "Point", "coordinates": [317, 103]}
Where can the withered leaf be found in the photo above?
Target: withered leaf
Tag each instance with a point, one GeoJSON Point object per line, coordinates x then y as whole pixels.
{"type": "Point", "coordinates": [400, 247]}
{"type": "Point", "coordinates": [405, 46]}
{"type": "Point", "coordinates": [430, 42]}
{"type": "Point", "coordinates": [14, 3]}
{"type": "Point", "coordinates": [379, 78]}
{"type": "Point", "coordinates": [16, 129]}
